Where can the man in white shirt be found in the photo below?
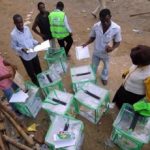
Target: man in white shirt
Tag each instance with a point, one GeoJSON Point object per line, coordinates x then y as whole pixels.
{"type": "Point", "coordinates": [104, 32]}
{"type": "Point", "coordinates": [60, 28]}
{"type": "Point", "coordinates": [21, 41]}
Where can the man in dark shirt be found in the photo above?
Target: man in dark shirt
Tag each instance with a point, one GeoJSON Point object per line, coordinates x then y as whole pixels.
{"type": "Point", "coordinates": [42, 22]}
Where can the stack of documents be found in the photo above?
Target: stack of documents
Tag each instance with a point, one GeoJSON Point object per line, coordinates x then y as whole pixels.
{"type": "Point", "coordinates": [41, 47]}
{"type": "Point", "coordinates": [19, 97]}
{"type": "Point", "coordinates": [82, 52]}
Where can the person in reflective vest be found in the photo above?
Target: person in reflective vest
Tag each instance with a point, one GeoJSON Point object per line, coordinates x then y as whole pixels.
{"type": "Point", "coordinates": [60, 28]}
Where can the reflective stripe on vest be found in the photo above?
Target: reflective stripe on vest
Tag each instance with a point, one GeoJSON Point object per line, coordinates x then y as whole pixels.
{"type": "Point", "coordinates": [57, 25]}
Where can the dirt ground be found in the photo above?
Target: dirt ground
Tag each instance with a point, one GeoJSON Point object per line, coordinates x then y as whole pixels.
{"type": "Point", "coordinates": [81, 21]}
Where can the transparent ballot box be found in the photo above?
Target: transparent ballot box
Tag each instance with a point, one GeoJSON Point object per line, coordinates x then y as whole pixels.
{"type": "Point", "coordinates": [92, 102]}
{"type": "Point", "coordinates": [130, 130]}
{"type": "Point", "coordinates": [81, 75]}
{"type": "Point", "coordinates": [60, 103]}
{"type": "Point", "coordinates": [64, 124]}
{"type": "Point", "coordinates": [56, 58]}
{"type": "Point", "coordinates": [28, 103]}
{"type": "Point", "coordinates": [50, 80]}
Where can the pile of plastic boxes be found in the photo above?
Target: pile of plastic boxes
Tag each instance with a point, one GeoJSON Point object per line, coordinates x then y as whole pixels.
{"type": "Point", "coordinates": [130, 130]}
{"type": "Point", "coordinates": [92, 102]}
{"type": "Point", "coordinates": [56, 58]}
{"type": "Point", "coordinates": [81, 75]}
{"type": "Point", "coordinates": [32, 105]}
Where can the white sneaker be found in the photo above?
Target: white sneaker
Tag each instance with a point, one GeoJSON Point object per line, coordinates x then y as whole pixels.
{"type": "Point", "coordinates": [111, 105]}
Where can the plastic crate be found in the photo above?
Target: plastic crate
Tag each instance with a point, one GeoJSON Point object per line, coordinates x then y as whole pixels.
{"type": "Point", "coordinates": [130, 127]}
{"type": "Point", "coordinates": [81, 75]}
{"type": "Point", "coordinates": [33, 104]}
{"type": "Point", "coordinates": [59, 103]}
{"type": "Point", "coordinates": [124, 141]}
{"type": "Point", "coordinates": [50, 80]}
{"type": "Point", "coordinates": [92, 102]}
{"type": "Point", "coordinates": [56, 58]}
{"type": "Point", "coordinates": [75, 126]}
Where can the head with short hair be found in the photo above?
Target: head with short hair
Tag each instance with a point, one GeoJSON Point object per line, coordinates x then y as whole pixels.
{"type": "Point", "coordinates": [140, 55]}
{"type": "Point", "coordinates": [41, 7]}
{"type": "Point", "coordinates": [18, 21]}
{"type": "Point", "coordinates": [105, 17]}
{"type": "Point", "coordinates": [60, 5]}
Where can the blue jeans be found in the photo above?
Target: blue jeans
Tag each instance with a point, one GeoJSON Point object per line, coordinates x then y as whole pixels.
{"type": "Point", "coordinates": [95, 63]}
{"type": "Point", "coordinates": [9, 92]}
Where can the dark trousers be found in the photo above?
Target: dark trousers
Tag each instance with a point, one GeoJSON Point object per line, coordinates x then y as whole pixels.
{"type": "Point", "coordinates": [33, 68]}
{"type": "Point", "coordinates": [66, 43]}
{"type": "Point", "coordinates": [123, 96]}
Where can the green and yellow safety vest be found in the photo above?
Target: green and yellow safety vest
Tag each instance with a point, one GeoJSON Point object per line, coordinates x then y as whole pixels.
{"type": "Point", "coordinates": [57, 25]}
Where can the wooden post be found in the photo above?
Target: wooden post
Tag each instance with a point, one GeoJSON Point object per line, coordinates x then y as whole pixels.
{"type": "Point", "coordinates": [28, 139]}
{"type": "Point", "coordinates": [13, 115]}
{"type": "Point", "coordinates": [138, 14]}
{"type": "Point", "coordinates": [2, 147]}
{"type": "Point", "coordinates": [15, 143]}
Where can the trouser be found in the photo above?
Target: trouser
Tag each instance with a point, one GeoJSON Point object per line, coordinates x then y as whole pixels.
{"type": "Point", "coordinates": [66, 43]}
{"type": "Point", "coordinates": [9, 92]}
{"type": "Point", "coordinates": [33, 68]}
{"type": "Point", "coordinates": [102, 4]}
{"type": "Point", "coordinates": [95, 62]}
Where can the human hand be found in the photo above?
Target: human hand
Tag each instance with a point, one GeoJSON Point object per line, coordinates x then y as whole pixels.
{"type": "Point", "coordinates": [71, 34]}
{"type": "Point", "coordinates": [109, 49]}
{"type": "Point", "coordinates": [84, 45]}
{"type": "Point", "coordinates": [24, 50]}
{"type": "Point", "coordinates": [125, 73]}
{"type": "Point", "coordinates": [42, 36]}
{"type": "Point", "coordinates": [123, 76]}
{"type": "Point", "coordinates": [14, 67]}
{"type": "Point", "coordinates": [7, 76]}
